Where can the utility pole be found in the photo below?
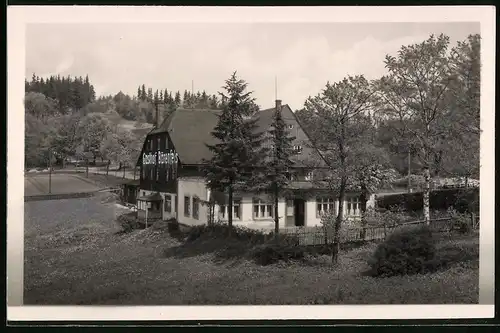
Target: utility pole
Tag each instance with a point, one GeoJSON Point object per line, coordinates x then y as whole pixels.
{"type": "Point", "coordinates": [275, 87]}
{"type": "Point", "coordinates": [50, 170]}
{"type": "Point", "coordinates": [192, 93]}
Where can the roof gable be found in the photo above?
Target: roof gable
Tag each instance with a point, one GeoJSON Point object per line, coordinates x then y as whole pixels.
{"type": "Point", "coordinates": [190, 130]}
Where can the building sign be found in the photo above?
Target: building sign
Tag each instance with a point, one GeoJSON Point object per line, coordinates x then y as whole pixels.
{"type": "Point", "coordinates": [170, 158]}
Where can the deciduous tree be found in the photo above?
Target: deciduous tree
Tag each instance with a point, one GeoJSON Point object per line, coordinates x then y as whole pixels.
{"type": "Point", "coordinates": [339, 114]}
{"type": "Point", "coordinates": [414, 92]}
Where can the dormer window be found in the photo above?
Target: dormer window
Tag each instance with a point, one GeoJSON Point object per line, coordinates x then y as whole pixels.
{"type": "Point", "coordinates": [290, 126]}
{"type": "Point", "coordinates": [309, 175]}
{"type": "Point", "coordinates": [297, 149]}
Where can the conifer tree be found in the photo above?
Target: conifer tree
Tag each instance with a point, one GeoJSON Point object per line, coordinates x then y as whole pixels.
{"type": "Point", "coordinates": [236, 155]}
{"type": "Point", "coordinates": [156, 97]}
{"type": "Point", "coordinates": [143, 92]}
{"type": "Point", "coordinates": [177, 99]}
{"type": "Point", "coordinates": [150, 95]}
{"type": "Point", "coordinates": [280, 162]}
{"type": "Point", "coordinates": [139, 93]}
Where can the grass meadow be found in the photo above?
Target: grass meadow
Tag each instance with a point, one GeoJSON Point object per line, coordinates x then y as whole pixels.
{"type": "Point", "coordinates": [74, 255]}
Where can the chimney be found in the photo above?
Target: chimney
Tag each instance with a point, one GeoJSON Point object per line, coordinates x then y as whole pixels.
{"type": "Point", "coordinates": [278, 105]}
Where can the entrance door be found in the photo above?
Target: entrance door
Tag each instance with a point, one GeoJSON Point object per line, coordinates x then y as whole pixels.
{"type": "Point", "coordinates": [299, 210]}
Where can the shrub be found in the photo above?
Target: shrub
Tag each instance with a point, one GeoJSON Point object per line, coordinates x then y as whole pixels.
{"type": "Point", "coordinates": [380, 217]}
{"type": "Point", "coordinates": [460, 221]}
{"type": "Point", "coordinates": [406, 251]}
{"type": "Point", "coordinates": [276, 251]}
{"type": "Point", "coordinates": [221, 230]}
{"type": "Point", "coordinates": [128, 222]}
{"type": "Point", "coordinates": [462, 199]}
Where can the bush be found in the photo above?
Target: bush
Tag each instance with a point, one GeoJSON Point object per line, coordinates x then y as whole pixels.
{"type": "Point", "coordinates": [462, 199]}
{"type": "Point", "coordinates": [128, 222]}
{"type": "Point", "coordinates": [408, 250]}
{"type": "Point", "coordinates": [276, 251]}
{"type": "Point", "coordinates": [220, 230]}
{"type": "Point", "coordinates": [459, 221]}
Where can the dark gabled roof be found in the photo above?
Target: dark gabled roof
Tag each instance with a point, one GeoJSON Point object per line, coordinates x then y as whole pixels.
{"type": "Point", "coordinates": [190, 132]}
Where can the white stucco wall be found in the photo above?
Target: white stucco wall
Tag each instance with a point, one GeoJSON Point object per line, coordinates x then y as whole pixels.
{"type": "Point", "coordinates": [191, 187]}
{"type": "Point", "coordinates": [247, 220]}
{"type": "Point", "coordinates": [196, 186]}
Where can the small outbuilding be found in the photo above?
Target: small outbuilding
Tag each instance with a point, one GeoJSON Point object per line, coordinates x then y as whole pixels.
{"type": "Point", "coordinates": [149, 207]}
{"type": "Point", "coordinates": [130, 191]}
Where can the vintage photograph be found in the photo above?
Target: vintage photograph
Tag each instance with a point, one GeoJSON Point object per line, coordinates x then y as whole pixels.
{"type": "Point", "coordinates": [252, 163]}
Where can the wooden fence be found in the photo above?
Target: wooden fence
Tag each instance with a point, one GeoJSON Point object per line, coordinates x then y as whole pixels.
{"type": "Point", "coordinates": [321, 236]}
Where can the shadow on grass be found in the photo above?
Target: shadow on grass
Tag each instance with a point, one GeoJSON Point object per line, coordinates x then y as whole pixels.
{"type": "Point", "coordinates": [224, 249]}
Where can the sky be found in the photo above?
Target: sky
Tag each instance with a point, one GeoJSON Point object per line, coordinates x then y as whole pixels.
{"type": "Point", "coordinates": [300, 57]}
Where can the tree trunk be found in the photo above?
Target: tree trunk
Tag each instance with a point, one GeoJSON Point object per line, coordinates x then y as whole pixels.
{"type": "Point", "coordinates": [276, 213]}
{"type": "Point", "coordinates": [107, 167]}
{"type": "Point", "coordinates": [230, 208]}
{"type": "Point", "coordinates": [409, 171]}
{"type": "Point", "coordinates": [466, 181]}
{"type": "Point", "coordinates": [427, 190]}
{"type": "Point", "coordinates": [338, 222]}
{"type": "Point", "coordinates": [363, 198]}
{"type": "Point", "coordinates": [124, 172]}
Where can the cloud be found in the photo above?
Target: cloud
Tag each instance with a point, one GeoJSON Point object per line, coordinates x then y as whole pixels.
{"type": "Point", "coordinates": [303, 57]}
{"type": "Point", "coordinates": [65, 65]}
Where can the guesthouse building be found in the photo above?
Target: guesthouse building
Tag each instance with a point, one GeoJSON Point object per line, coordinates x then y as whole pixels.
{"type": "Point", "coordinates": [172, 183]}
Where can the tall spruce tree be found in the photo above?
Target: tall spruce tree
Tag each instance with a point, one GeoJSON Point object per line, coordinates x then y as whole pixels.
{"type": "Point", "coordinates": [150, 95]}
{"type": "Point", "coordinates": [236, 155]}
{"type": "Point", "coordinates": [177, 99]}
{"type": "Point", "coordinates": [143, 92]}
{"type": "Point", "coordinates": [280, 162]}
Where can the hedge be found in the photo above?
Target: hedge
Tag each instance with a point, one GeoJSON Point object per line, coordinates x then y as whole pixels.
{"type": "Point", "coordinates": [462, 199]}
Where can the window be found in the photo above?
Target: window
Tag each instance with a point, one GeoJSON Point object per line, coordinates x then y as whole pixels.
{"type": "Point", "coordinates": [196, 208]}
{"type": "Point", "coordinates": [187, 206]}
{"type": "Point", "coordinates": [309, 175]}
{"type": "Point", "coordinates": [324, 205]}
{"type": "Point", "coordinates": [166, 143]}
{"type": "Point", "coordinates": [167, 173]}
{"type": "Point", "coordinates": [297, 149]}
{"type": "Point", "coordinates": [167, 204]}
{"type": "Point", "coordinates": [290, 126]}
{"type": "Point", "coordinates": [158, 143]}
{"type": "Point", "coordinates": [353, 206]}
{"type": "Point", "coordinates": [176, 201]}
{"type": "Point", "coordinates": [236, 210]}
{"type": "Point", "coordinates": [262, 209]}
{"type": "Point", "coordinates": [157, 174]}
{"type": "Point", "coordinates": [143, 193]}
